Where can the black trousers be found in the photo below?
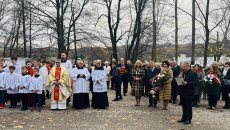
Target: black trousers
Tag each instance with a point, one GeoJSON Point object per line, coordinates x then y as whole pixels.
{"type": "Point", "coordinates": [226, 99]}
{"type": "Point", "coordinates": [24, 99]}
{"type": "Point", "coordinates": [131, 82]}
{"type": "Point", "coordinates": [125, 84]}
{"type": "Point", "coordinates": [212, 100]}
{"type": "Point", "coordinates": [187, 108]}
{"type": "Point", "coordinates": [174, 92]}
{"type": "Point", "coordinates": [13, 100]}
{"type": "Point", "coordinates": [43, 97]}
{"type": "Point", "coordinates": [195, 99]}
{"type": "Point", "coordinates": [118, 90]}
{"type": "Point", "coordinates": [112, 83]}
{"type": "Point", "coordinates": [146, 90]}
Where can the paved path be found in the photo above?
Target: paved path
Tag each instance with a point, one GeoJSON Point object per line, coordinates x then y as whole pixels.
{"type": "Point", "coordinates": [120, 115]}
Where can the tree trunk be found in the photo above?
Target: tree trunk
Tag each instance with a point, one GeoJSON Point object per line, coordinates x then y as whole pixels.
{"type": "Point", "coordinates": [154, 50]}
{"type": "Point", "coordinates": [75, 40]}
{"type": "Point", "coordinates": [30, 33]}
{"type": "Point", "coordinates": [207, 31]}
{"type": "Point", "coordinates": [193, 31]}
{"type": "Point", "coordinates": [60, 36]}
{"type": "Point", "coordinates": [24, 26]}
{"type": "Point", "coordinates": [176, 32]}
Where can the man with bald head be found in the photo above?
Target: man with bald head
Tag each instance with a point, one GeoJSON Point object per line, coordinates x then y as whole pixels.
{"type": "Point", "coordinates": [124, 77]}
{"type": "Point", "coordinates": [80, 76]}
{"type": "Point", "coordinates": [100, 97]}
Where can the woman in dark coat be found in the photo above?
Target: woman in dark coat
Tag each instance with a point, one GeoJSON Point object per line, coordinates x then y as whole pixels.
{"type": "Point", "coordinates": [138, 74]}
{"type": "Point", "coordinates": [198, 88]}
{"type": "Point", "coordinates": [213, 91]}
{"type": "Point", "coordinates": [226, 89]}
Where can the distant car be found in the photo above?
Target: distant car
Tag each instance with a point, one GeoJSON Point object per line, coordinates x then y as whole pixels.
{"type": "Point", "coordinates": [21, 60]}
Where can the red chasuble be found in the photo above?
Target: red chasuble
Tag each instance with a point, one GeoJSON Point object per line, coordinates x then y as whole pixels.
{"type": "Point", "coordinates": [56, 88]}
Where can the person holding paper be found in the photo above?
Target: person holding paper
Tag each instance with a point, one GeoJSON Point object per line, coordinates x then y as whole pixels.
{"type": "Point", "coordinates": [187, 92]}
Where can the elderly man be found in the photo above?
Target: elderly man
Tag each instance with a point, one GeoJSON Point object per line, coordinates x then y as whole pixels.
{"type": "Point", "coordinates": [151, 72]}
{"type": "Point", "coordinates": [176, 69]}
{"type": "Point", "coordinates": [146, 67]}
{"type": "Point", "coordinates": [124, 77]}
{"type": "Point", "coordinates": [80, 76]}
{"type": "Point", "coordinates": [59, 86]}
{"type": "Point", "coordinates": [100, 97]}
{"type": "Point", "coordinates": [187, 92]}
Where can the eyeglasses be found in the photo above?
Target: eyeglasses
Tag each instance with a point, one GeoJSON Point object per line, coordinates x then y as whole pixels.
{"type": "Point", "coordinates": [58, 62]}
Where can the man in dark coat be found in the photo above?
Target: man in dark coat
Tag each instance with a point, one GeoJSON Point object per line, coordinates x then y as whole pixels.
{"type": "Point", "coordinates": [187, 92]}
{"type": "Point", "coordinates": [124, 77]}
{"type": "Point", "coordinates": [115, 74]}
{"type": "Point", "coordinates": [129, 72]}
{"type": "Point", "coordinates": [150, 73]}
{"type": "Point", "coordinates": [146, 66]}
{"type": "Point", "coordinates": [112, 81]}
{"type": "Point", "coordinates": [176, 69]}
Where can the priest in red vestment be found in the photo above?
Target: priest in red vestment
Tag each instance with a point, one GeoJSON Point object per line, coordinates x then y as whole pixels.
{"type": "Point", "coordinates": [59, 86]}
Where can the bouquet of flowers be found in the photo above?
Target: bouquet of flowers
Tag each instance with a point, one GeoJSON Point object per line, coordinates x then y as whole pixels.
{"type": "Point", "coordinates": [123, 70]}
{"type": "Point", "coordinates": [160, 79]}
{"type": "Point", "coordinates": [153, 92]}
{"type": "Point", "coordinates": [211, 80]}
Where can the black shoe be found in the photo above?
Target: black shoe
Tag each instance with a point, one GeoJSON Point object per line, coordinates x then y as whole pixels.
{"type": "Point", "coordinates": [155, 106]}
{"type": "Point", "coordinates": [226, 107]}
{"type": "Point", "coordinates": [120, 98]}
{"type": "Point", "coordinates": [187, 122]}
{"type": "Point", "coordinates": [116, 99]}
{"type": "Point", "coordinates": [125, 94]}
{"type": "Point", "coordinates": [150, 105]}
{"type": "Point", "coordinates": [181, 121]}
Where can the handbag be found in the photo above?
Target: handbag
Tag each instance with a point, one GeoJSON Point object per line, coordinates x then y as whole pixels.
{"type": "Point", "coordinates": [226, 83]}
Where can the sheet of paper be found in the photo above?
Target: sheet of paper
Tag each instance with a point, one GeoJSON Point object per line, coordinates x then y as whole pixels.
{"type": "Point", "coordinates": [179, 81]}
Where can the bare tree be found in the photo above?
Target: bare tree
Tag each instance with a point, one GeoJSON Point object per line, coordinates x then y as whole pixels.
{"type": "Point", "coordinates": [193, 30]}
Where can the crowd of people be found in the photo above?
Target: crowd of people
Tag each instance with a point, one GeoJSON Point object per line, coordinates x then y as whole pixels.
{"type": "Point", "coordinates": [34, 83]}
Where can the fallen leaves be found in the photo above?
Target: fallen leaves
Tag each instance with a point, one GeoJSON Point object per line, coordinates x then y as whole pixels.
{"type": "Point", "coordinates": [196, 123]}
{"type": "Point", "coordinates": [172, 121]}
{"type": "Point", "coordinates": [20, 127]}
{"type": "Point", "coordinates": [197, 116]}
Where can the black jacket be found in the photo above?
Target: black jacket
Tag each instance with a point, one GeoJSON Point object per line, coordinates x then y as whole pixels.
{"type": "Point", "coordinates": [115, 73]}
{"type": "Point", "coordinates": [150, 74]}
{"type": "Point", "coordinates": [175, 71]}
{"type": "Point", "coordinates": [187, 91]}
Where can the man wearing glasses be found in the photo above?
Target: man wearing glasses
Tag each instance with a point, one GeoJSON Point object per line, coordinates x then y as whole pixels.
{"type": "Point", "coordinates": [58, 84]}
